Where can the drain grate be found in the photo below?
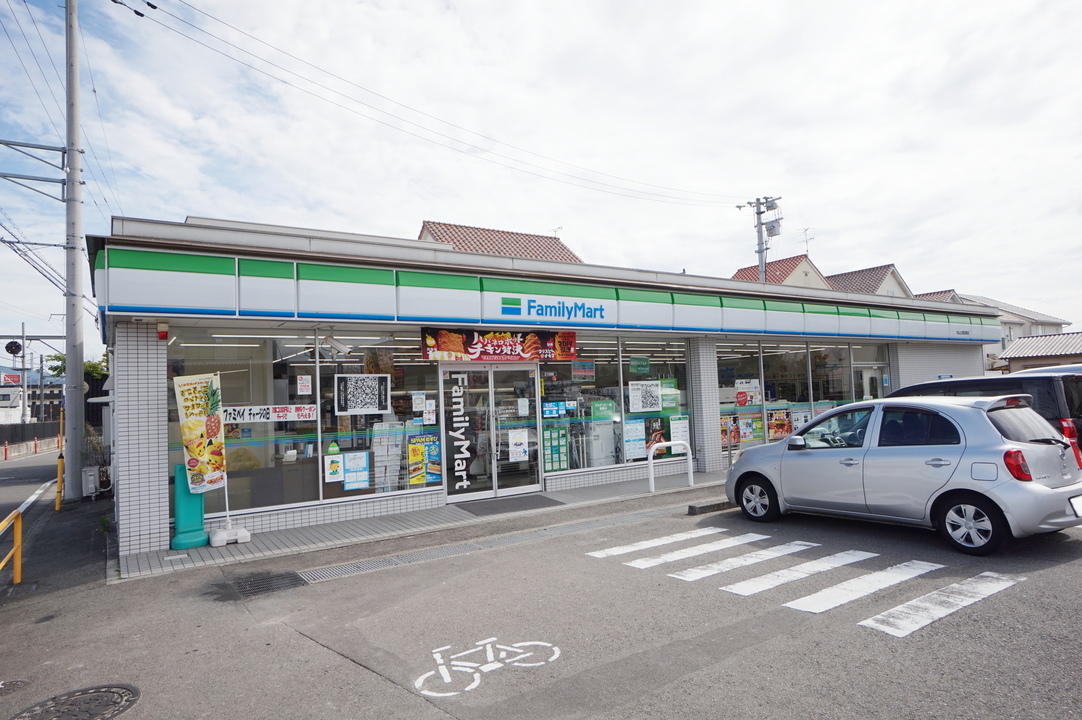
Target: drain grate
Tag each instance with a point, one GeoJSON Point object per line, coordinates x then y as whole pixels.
{"type": "Point", "coordinates": [337, 571]}
{"type": "Point", "coordinates": [96, 703]}
{"type": "Point", "coordinates": [261, 584]}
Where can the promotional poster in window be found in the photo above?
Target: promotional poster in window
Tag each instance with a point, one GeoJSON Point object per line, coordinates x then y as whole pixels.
{"type": "Point", "coordinates": [497, 346]}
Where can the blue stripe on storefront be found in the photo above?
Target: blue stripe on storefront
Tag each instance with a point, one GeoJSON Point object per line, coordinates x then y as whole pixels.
{"type": "Point", "coordinates": [160, 309]}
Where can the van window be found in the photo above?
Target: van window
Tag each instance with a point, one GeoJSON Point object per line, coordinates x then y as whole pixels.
{"type": "Point", "coordinates": [1072, 388]}
{"type": "Point", "coordinates": [1043, 390]}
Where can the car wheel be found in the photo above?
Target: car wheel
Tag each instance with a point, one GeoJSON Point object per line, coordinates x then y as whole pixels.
{"type": "Point", "coordinates": [972, 524]}
{"type": "Point", "coordinates": [758, 500]}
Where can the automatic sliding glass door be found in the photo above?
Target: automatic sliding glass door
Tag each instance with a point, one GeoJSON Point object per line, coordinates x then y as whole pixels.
{"type": "Point", "coordinates": [491, 442]}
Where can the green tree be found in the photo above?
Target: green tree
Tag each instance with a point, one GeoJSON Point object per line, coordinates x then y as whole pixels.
{"type": "Point", "coordinates": [57, 365]}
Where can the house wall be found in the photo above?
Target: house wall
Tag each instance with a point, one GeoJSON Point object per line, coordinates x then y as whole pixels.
{"type": "Point", "coordinates": [806, 275]}
{"type": "Point", "coordinates": [893, 287]}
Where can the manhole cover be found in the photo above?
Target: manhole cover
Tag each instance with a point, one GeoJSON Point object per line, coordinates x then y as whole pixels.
{"type": "Point", "coordinates": [96, 703]}
{"type": "Point", "coordinates": [9, 686]}
{"type": "Point", "coordinates": [260, 584]}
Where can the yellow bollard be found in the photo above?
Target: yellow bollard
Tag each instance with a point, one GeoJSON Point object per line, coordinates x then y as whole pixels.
{"type": "Point", "coordinates": [59, 481]}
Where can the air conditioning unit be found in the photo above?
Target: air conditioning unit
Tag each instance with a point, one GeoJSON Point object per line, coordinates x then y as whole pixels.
{"type": "Point", "coordinates": [90, 481]}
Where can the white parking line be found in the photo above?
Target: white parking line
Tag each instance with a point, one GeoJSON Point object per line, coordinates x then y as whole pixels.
{"type": "Point", "coordinates": [798, 572]}
{"type": "Point", "coordinates": [696, 550]}
{"type": "Point", "coordinates": [697, 573]}
{"type": "Point", "coordinates": [913, 615]}
{"type": "Point", "coordinates": [858, 587]}
{"type": "Point", "coordinates": [646, 544]}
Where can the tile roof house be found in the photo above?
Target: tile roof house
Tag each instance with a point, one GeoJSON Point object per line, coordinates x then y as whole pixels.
{"type": "Point", "coordinates": [881, 280]}
{"type": "Point", "coordinates": [464, 238]}
{"type": "Point", "coordinates": [1044, 350]}
{"type": "Point", "coordinates": [940, 296]}
{"type": "Point", "coordinates": [798, 270]}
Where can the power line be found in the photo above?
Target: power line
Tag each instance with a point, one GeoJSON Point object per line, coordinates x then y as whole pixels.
{"type": "Point", "coordinates": [639, 194]}
{"type": "Point", "coordinates": [420, 112]}
{"type": "Point", "coordinates": [30, 78]}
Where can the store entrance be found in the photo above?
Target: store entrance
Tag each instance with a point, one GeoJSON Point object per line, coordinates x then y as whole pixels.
{"type": "Point", "coordinates": [490, 436]}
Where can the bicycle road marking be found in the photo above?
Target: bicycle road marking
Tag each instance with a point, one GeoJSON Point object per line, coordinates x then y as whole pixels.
{"type": "Point", "coordinates": [797, 572]}
{"type": "Point", "coordinates": [904, 619]}
{"type": "Point", "coordinates": [697, 573]}
{"type": "Point", "coordinates": [858, 587]}
{"type": "Point", "coordinates": [696, 550]}
{"type": "Point", "coordinates": [655, 542]}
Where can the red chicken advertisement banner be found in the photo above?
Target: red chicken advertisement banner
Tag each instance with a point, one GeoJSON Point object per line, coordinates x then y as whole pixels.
{"type": "Point", "coordinates": [457, 344]}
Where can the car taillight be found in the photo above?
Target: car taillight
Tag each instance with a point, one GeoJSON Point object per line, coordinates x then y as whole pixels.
{"type": "Point", "coordinates": [1016, 463]}
{"type": "Point", "coordinates": [1070, 431]}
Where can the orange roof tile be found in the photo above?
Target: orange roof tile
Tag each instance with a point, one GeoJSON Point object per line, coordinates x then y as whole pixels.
{"type": "Point", "coordinates": [499, 242]}
{"type": "Point", "coordinates": [777, 271]}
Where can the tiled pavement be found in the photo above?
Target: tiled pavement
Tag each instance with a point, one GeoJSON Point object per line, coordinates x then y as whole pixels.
{"type": "Point", "coordinates": [332, 535]}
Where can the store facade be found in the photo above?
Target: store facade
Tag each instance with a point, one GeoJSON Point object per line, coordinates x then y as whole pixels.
{"type": "Point", "coordinates": [361, 376]}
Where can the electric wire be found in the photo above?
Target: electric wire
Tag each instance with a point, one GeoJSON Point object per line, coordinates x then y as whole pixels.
{"type": "Point", "coordinates": [641, 194]}
{"type": "Point", "coordinates": [425, 114]}
{"type": "Point", "coordinates": [31, 79]}
{"type": "Point", "coordinates": [101, 120]}
{"type": "Point", "coordinates": [45, 79]}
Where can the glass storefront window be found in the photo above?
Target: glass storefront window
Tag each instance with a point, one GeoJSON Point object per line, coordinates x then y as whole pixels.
{"type": "Point", "coordinates": [785, 388]}
{"type": "Point", "coordinates": [870, 372]}
{"type": "Point", "coordinates": [367, 402]}
{"type": "Point", "coordinates": [831, 378]}
{"type": "Point", "coordinates": [741, 394]}
{"type": "Point", "coordinates": [268, 461]}
{"type": "Point", "coordinates": [655, 394]}
{"type": "Point", "coordinates": [379, 413]}
{"type": "Point", "coordinates": [580, 405]}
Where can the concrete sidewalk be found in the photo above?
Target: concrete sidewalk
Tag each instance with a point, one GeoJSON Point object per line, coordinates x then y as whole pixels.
{"type": "Point", "coordinates": [70, 547]}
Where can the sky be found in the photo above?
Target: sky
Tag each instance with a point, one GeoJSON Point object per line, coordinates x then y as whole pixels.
{"type": "Point", "coordinates": [942, 137]}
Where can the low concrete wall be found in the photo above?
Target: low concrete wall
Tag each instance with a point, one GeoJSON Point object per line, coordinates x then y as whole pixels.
{"type": "Point", "coordinates": [29, 448]}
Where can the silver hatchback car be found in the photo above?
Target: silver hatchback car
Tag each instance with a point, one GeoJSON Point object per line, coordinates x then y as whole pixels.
{"type": "Point", "coordinates": [976, 469]}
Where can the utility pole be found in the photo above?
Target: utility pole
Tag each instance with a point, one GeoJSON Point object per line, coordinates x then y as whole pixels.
{"type": "Point", "coordinates": [73, 377]}
{"type": "Point", "coordinates": [771, 227]}
{"type": "Point", "coordinates": [26, 397]}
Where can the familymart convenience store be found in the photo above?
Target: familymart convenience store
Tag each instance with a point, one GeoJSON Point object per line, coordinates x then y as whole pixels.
{"type": "Point", "coordinates": [362, 376]}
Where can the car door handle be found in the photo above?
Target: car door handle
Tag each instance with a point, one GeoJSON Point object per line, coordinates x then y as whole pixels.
{"type": "Point", "coordinates": [849, 462]}
{"type": "Point", "coordinates": [937, 462]}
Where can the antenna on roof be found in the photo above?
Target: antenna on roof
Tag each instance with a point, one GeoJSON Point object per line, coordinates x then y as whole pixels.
{"type": "Point", "coordinates": [807, 240]}
{"type": "Point", "coordinates": [555, 231]}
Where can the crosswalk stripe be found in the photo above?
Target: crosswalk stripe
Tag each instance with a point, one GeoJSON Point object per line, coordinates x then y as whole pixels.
{"type": "Point", "coordinates": [858, 587]}
{"type": "Point", "coordinates": [798, 572]}
{"type": "Point", "coordinates": [913, 615]}
{"type": "Point", "coordinates": [696, 550]}
{"type": "Point", "coordinates": [655, 542]}
{"type": "Point", "coordinates": [697, 573]}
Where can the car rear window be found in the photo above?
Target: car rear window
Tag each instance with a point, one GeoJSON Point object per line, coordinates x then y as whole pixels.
{"type": "Point", "coordinates": [1021, 424]}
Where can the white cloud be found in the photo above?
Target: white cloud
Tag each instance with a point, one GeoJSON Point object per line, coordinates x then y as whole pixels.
{"type": "Point", "coordinates": [946, 142]}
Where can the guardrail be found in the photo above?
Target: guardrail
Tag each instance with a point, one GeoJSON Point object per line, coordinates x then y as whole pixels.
{"type": "Point", "coordinates": [16, 518]}
{"type": "Point", "coordinates": [657, 446]}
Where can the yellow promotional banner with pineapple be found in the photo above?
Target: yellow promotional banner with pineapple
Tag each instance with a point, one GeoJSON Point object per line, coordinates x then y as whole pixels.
{"type": "Point", "coordinates": [199, 405]}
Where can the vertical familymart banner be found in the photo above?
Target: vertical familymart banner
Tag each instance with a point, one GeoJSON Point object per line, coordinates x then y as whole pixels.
{"type": "Point", "coordinates": [199, 405]}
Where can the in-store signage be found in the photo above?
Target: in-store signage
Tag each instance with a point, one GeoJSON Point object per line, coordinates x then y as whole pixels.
{"type": "Point", "coordinates": [460, 344]}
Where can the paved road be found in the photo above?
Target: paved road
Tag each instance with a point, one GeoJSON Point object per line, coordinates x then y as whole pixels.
{"type": "Point", "coordinates": [641, 633]}
{"type": "Point", "coordinates": [19, 478]}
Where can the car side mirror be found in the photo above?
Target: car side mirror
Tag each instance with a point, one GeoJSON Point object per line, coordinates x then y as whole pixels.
{"type": "Point", "coordinates": [796, 442]}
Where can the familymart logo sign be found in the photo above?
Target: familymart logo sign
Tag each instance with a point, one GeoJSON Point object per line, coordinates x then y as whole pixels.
{"type": "Point", "coordinates": [556, 310]}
